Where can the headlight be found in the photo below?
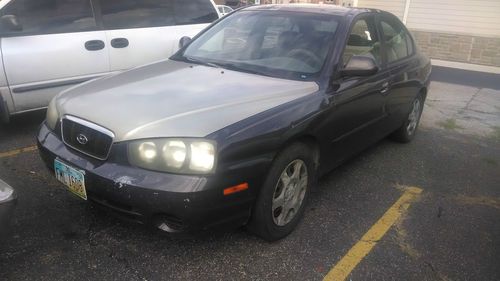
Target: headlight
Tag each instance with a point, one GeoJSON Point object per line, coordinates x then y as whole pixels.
{"type": "Point", "coordinates": [52, 115]}
{"type": "Point", "coordinates": [185, 156]}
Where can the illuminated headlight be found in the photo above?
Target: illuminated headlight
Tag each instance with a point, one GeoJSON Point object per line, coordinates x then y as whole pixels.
{"type": "Point", "coordinates": [185, 156]}
{"type": "Point", "coordinates": [52, 115]}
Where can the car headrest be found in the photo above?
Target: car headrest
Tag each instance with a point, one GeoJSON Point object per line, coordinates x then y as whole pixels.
{"type": "Point", "coordinates": [287, 39]}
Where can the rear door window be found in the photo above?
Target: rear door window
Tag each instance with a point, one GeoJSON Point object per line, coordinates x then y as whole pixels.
{"type": "Point", "coordinates": [44, 17]}
{"type": "Point", "coordinates": [397, 41]}
{"type": "Point", "coordinates": [153, 13]}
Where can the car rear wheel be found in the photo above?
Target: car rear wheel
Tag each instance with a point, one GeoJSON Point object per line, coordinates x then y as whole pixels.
{"type": "Point", "coordinates": [407, 131]}
{"type": "Point", "coordinates": [281, 202]}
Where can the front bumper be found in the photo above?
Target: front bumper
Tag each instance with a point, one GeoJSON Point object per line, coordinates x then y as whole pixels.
{"type": "Point", "coordinates": [174, 203]}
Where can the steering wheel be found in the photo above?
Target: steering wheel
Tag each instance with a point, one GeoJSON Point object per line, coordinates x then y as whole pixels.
{"type": "Point", "coordinates": [306, 56]}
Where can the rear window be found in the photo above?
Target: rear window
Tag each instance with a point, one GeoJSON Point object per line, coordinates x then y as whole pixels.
{"type": "Point", "coordinates": [153, 13]}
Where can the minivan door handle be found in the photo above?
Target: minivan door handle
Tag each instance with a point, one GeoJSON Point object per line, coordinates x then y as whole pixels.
{"type": "Point", "coordinates": [94, 45]}
{"type": "Point", "coordinates": [385, 88]}
{"type": "Point", "coordinates": [119, 43]}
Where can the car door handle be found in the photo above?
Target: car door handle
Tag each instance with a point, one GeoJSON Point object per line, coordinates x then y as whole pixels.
{"type": "Point", "coordinates": [119, 43]}
{"type": "Point", "coordinates": [94, 45]}
{"type": "Point", "coordinates": [385, 88]}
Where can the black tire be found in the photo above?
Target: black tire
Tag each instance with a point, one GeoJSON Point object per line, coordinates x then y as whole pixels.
{"type": "Point", "coordinates": [403, 134]}
{"type": "Point", "coordinates": [262, 222]}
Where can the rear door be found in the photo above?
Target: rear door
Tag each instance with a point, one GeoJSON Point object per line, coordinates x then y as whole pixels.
{"type": "Point", "coordinates": [404, 66]}
{"type": "Point", "coordinates": [144, 31]}
{"type": "Point", "coordinates": [58, 46]}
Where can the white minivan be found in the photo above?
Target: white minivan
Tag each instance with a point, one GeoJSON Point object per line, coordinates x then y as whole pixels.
{"type": "Point", "coordinates": [50, 45]}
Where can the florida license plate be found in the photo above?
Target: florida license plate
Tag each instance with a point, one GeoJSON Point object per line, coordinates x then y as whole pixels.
{"type": "Point", "coordinates": [72, 178]}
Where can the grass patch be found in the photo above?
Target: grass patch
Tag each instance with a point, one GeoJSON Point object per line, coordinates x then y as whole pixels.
{"type": "Point", "coordinates": [496, 133]}
{"type": "Point", "coordinates": [491, 161]}
{"type": "Point", "coordinates": [449, 124]}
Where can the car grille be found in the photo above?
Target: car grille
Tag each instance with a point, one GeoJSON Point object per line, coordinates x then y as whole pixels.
{"type": "Point", "coordinates": [87, 138]}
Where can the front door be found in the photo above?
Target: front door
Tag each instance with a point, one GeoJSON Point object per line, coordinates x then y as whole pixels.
{"type": "Point", "coordinates": [55, 46]}
{"type": "Point", "coordinates": [357, 106]}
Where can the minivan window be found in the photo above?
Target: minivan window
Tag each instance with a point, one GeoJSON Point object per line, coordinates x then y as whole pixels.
{"type": "Point", "coordinates": [153, 13]}
{"type": "Point", "coordinates": [395, 39]}
{"type": "Point", "coordinates": [50, 16]}
{"type": "Point", "coordinates": [194, 11]}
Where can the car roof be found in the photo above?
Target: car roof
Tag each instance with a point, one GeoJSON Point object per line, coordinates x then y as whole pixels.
{"type": "Point", "coordinates": [311, 8]}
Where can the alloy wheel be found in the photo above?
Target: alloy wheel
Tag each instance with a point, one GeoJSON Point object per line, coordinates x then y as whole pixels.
{"type": "Point", "coordinates": [289, 192]}
{"type": "Point", "coordinates": [414, 117]}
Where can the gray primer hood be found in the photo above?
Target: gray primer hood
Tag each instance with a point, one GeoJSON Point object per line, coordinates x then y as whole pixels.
{"type": "Point", "coordinates": [176, 99]}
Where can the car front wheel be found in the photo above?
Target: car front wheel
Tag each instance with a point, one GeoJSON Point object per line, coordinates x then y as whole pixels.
{"type": "Point", "coordinates": [281, 202]}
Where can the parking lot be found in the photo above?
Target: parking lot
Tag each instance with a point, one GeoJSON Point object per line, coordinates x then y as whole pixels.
{"type": "Point", "coordinates": [448, 229]}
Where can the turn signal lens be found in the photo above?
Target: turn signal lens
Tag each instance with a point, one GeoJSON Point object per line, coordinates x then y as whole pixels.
{"type": "Point", "coordinates": [52, 115]}
{"type": "Point", "coordinates": [236, 188]}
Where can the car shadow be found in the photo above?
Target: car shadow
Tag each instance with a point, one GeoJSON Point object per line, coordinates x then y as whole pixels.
{"type": "Point", "coordinates": [26, 123]}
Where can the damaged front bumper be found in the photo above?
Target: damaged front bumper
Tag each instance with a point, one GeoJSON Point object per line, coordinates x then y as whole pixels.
{"type": "Point", "coordinates": [173, 203]}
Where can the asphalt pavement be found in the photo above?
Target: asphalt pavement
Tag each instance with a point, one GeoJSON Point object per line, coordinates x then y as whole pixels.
{"type": "Point", "coordinates": [450, 231]}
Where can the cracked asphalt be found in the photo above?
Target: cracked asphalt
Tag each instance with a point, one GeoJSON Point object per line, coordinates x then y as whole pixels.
{"type": "Point", "coordinates": [451, 231]}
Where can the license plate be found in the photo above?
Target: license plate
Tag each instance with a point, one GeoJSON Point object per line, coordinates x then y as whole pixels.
{"type": "Point", "coordinates": [72, 178]}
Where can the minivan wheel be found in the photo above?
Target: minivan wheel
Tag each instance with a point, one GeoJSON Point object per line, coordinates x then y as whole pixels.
{"type": "Point", "coordinates": [281, 201]}
{"type": "Point", "coordinates": [407, 131]}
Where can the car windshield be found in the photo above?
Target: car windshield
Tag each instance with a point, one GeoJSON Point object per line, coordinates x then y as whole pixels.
{"type": "Point", "coordinates": [288, 45]}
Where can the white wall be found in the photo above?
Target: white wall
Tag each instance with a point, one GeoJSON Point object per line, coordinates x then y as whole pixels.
{"type": "Point", "coordinates": [396, 7]}
{"type": "Point", "coordinates": [474, 17]}
{"type": "Point", "coordinates": [470, 17]}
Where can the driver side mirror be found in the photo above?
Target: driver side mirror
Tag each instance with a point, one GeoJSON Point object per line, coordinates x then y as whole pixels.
{"type": "Point", "coordinates": [184, 41]}
{"type": "Point", "coordinates": [10, 23]}
{"type": "Point", "coordinates": [360, 66]}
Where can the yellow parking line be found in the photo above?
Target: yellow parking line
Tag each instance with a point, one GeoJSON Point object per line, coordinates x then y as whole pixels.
{"type": "Point", "coordinates": [344, 267]}
{"type": "Point", "coordinates": [17, 151]}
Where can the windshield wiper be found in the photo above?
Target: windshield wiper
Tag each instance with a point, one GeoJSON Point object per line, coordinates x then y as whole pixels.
{"type": "Point", "coordinates": [197, 61]}
{"type": "Point", "coordinates": [237, 67]}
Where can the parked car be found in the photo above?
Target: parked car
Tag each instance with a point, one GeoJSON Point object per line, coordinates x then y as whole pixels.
{"type": "Point", "coordinates": [237, 126]}
{"type": "Point", "coordinates": [224, 10]}
{"type": "Point", "coordinates": [48, 46]}
{"type": "Point", "coordinates": [7, 205]}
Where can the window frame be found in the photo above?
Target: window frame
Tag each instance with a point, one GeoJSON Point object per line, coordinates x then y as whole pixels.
{"type": "Point", "coordinates": [25, 34]}
{"type": "Point", "coordinates": [389, 18]}
{"type": "Point", "coordinates": [372, 19]}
